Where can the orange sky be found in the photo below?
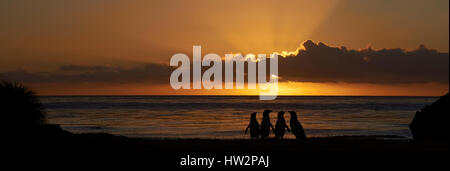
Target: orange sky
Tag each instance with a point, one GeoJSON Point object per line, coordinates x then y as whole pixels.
{"type": "Point", "coordinates": [42, 36]}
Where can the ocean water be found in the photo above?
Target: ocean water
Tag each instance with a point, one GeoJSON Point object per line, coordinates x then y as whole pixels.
{"type": "Point", "coordinates": [227, 117]}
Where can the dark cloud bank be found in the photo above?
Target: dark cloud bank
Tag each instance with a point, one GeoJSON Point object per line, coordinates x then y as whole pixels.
{"type": "Point", "coordinates": [316, 63]}
{"type": "Point", "coordinates": [321, 63]}
{"type": "Point", "coordinates": [148, 73]}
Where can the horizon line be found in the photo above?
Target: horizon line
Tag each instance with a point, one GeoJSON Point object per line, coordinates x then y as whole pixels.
{"type": "Point", "coordinates": [239, 95]}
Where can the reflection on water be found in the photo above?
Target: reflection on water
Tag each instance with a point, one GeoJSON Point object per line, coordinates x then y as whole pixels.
{"type": "Point", "coordinates": [228, 116]}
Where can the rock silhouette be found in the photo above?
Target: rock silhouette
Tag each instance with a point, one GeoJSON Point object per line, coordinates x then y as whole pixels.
{"type": "Point", "coordinates": [253, 126]}
{"type": "Point", "coordinates": [266, 124]}
{"type": "Point", "coordinates": [431, 122]}
{"type": "Point", "coordinates": [280, 126]}
{"type": "Point", "coordinates": [296, 127]}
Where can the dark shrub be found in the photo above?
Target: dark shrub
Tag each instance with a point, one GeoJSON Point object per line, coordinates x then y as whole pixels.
{"type": "Point", "coordinates": [20, 108]}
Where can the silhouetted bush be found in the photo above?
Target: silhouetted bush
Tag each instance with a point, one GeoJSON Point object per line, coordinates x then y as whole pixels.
{"type": "Point", "coordinates": [20, 107]}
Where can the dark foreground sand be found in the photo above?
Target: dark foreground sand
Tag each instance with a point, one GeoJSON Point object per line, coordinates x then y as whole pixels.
{"type": "Point", "coordinates": [110, 150]}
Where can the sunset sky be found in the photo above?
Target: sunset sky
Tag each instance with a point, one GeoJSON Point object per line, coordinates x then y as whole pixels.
{"type": "Point", "coordinates": [117, 47]}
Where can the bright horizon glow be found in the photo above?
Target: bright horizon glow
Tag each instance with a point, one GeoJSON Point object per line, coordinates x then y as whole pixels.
{"type": "Point", "coordinates": [285, 89]}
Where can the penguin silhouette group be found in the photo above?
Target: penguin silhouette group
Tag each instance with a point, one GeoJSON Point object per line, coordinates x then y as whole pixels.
{"type": "Point", "coordinates": [262, 131]}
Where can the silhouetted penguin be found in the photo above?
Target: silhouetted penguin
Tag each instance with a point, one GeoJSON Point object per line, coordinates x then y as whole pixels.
{"type": "Point", "coordinates": [280, 126]}
{"type": "Point", "coordinates": [296, 127]}
{"type": "Point", "coordinates": [266, 124]}
{"type": "Point", "coordinates": [254, 127]}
